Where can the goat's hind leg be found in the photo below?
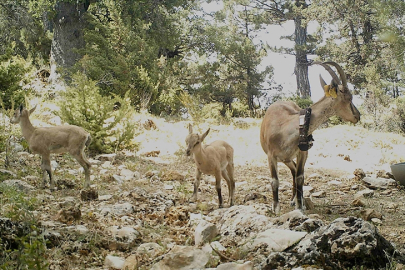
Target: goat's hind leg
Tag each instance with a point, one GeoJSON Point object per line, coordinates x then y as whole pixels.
{"type": "Point", "coordinates": [218, 177]}
{"type": "Point", "coordinates": [228, 176]}
{"type": "Point", "coordinates": [86, 166]}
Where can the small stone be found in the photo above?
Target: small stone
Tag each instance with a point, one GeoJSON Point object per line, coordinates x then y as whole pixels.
{"type": "Point", "coordinates": [130, 263]}
{"type": "Point", "coordinates": [366, 193]}
{"type": "Point", "coordinates": [358, 202]}
{"type": "Point", "coordinates": [315, 176]}
{"type": "Point", "coordinates": [369, 214]}
{"type": "Point", "coordinates": [114, 262]}
{"type": "Point", "coordinates": [319, 194]}
{"type": "Point", "coordinates": [335, 183]}
{"type": "Point", "coordinates": [376, 221]}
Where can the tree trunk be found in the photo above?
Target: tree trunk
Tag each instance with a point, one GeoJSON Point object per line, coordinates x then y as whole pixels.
{"type": "Point", "coordinates": [68, 24]}
{"type": "Point", "coordinates": [301, 61]}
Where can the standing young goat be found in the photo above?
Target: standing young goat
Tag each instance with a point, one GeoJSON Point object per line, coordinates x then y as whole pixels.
{"type": "Point", "coordinates": [59, 139]}
{"type": "Point", "coordinates": [279, 132]}
{"type": "Point", "coordinates": [213, 159]}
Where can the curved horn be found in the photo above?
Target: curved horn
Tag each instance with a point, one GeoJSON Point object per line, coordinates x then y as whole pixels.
{"type": "Point", "coordinates": [328, 68]}
{"type": "Point", "coordinates": [340, 70]}
{"type": "Point", "coordinates": [323, 83]}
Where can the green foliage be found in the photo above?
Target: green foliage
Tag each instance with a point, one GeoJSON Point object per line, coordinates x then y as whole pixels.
{"type": "Point", "coordinates": [23, 32]}
{"type": "Point", "coordinates": [127, 51]}
{"type": "Point", "coordinates": [212, 111]}
{"type": "Point", "coordinates": [301, 102]}
{"type": "Point", "coordinates": [12, 72]}
{"type": "Point", "coordinates": [240, 109]}
{"type": "Point", "coordinates": [105, 118]}
{"type": "Point", "coordinates": [400, 113]}
{"type": "Point", "coordinates": [29, 249]}
{"type": "Point", "coordinates": [193, 106]}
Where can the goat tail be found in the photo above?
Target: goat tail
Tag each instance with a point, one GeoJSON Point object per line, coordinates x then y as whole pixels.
{"type": "Point", "coordinates": [88, 141]}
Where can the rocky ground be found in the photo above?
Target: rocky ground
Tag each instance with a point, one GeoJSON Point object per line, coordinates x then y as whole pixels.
{"type": "Point", "coordinates": [138, 212]}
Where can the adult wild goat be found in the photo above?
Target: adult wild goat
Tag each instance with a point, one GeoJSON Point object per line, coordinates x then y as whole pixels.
{"type": "Point", "coordinates": [214, 159]}
{"type": "Point", "coordinates": [59, 139]}
{"type": "Point", "coordinates": [282, 130]}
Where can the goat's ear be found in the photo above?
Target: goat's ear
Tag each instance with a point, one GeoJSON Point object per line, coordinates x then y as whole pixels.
{"type": "Point", "coordinates": [33, 109]}
{"type": "Point", "coordinates": [190, 128]}
{"type": "Point", "coordinates": [21, 108]}
{"type": "Point", "coordinates": [205, 134]}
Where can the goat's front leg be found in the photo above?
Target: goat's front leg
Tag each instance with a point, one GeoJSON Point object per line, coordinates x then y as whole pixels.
{"type": "Point", "coordinates": [274, 183]}
{"type": "Point", "coordinates": [301, 159]}
{"type": "Point", "coordinates": [218, 177]}
{"type": "Point", "coordinates": [293, 168]}
{"type": "Point", "coordinates": [196, 184]}
{"type": "Point", "coordinates": [46, 168]}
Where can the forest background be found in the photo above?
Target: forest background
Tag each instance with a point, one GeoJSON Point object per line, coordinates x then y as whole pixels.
{"type": "Point", "coordinates": [203, 59]}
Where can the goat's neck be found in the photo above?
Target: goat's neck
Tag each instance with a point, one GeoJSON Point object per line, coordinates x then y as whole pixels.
{"type": "Point", "coordinates": [199, 153]}
{"type": "Point", "coordinates": [321, 111]}
{"type": "Point", "coordinates": [26, 127]}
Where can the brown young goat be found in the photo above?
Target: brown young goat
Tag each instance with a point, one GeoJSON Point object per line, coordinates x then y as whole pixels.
{"type": "Point", "coordinates": [59, 139]}
{"type": "Point", "coordinates": [214, 159]}
{"type": "Point", "coordinates": [279, 132]}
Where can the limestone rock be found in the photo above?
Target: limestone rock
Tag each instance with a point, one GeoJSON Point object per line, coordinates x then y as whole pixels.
{"type": "Point", "coordinates": [240, 222]}
{"type": "Point", "coordinates": [366, 193]}
{"type": "Point", "coordinates": [378, 183]}
{"type": "Point", "coordinates": [114, 262]}
{"type": "Point", "coordinates": [235, 266]}
{"type": "Point", "coordinates": [123, 238]}
{"type": "Point", "coordinates": [368, 214]}
{"type": "Point", "coordinates": [183, 257]}
{"type": "Point", "coordinates": [204, 232]}
{"type": "Point", "coordinates": [130, 263]}
{"type": "Point", "coordinates": [118, 209]}
{"type": "Point", "coordinates": [342, 244]}
{"type": "Point", "coordinates": [276, 239]}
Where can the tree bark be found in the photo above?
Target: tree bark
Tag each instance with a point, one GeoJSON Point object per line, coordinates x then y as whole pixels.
{"type": "Point", "coordinates": [301, 60]}
{"type": "Point", "coordinates": [68, 25]}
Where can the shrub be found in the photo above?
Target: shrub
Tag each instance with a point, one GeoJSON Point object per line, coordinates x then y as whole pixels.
{"type": "Point", "coordinates": [301, 102]}
{"type": "Point", "coordinates": [11, 74]}
{"type": "Point", "coordinates": [400, 113]}
{"type": "Point", "coordinates": [193, 106]}
{"type": "Point", "coordinates": [106, 118]}
{"type": "Point", "coordinates": [27, 249]}
{"type": "Point", "coordinates": [240, 110]}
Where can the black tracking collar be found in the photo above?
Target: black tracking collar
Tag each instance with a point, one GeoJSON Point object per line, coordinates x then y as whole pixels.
{"type": "Point", "coordinates": [305, 141]}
